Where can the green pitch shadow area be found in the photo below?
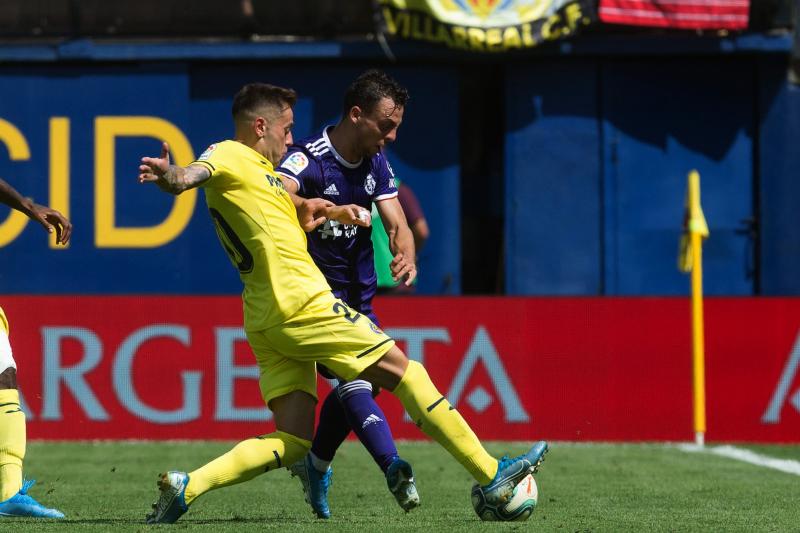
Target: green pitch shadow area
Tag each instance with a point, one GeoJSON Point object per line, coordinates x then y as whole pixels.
{"type": "Point", "coordinates": [108, 486]}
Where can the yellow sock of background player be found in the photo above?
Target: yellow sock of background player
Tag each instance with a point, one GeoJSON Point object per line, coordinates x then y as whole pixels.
{"type": "Point", "coordinates": [12, 443]}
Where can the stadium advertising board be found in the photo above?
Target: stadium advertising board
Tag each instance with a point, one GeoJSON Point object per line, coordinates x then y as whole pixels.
{"type": "Point", "coordinates": [72, 137]}
{"type": "Point", "coordinates": [517, 368]}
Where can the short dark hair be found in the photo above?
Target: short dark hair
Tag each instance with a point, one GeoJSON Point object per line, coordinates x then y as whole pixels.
{"type": "Point", "coordinates": [255, 96]}
{"type": "Point", "coordinates": [368, 89]}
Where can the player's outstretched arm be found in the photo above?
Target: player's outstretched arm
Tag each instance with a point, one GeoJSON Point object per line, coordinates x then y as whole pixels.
{"type": "Point", "coordinates": [311, 212]}
{"type": "Point", "coordinates": [170, 178]}
{"type": "Point", "coordinates": [350, 214]}
{"type": "Point", "coordinates": [310, 219]}
{"type": "Point", "coordinates": [401, 241]}
{"type": "Point", "coordinates": [50, 219]}
{"type": "Point", "coordinates": [12, 198]}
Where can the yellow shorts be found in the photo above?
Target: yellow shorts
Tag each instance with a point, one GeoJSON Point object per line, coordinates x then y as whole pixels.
{"type": "Point", "coordinates": [324, 331]}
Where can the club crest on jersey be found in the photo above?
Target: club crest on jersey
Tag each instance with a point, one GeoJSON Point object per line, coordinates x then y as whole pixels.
{"type": "Point", "coordinates": [205, 155]}
{"type": "Point", "coordinates": [369, 184]}
{"type": "Point", "coordinates": [295, 163]}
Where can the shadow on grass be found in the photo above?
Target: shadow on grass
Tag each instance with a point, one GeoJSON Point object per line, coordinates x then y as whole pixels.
{"type": "Point", "coordinates": [189, 522]}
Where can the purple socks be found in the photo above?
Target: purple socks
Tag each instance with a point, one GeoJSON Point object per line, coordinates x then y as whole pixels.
{"type": "Point", "coordinates": [351, 405]}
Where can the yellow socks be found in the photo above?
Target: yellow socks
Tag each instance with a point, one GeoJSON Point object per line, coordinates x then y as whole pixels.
{"type": "Point", "coordinates": [434, 415]}
{"type": "Point", "coordinates": [12, 443]}
{"type": "Point", "coordinates": [245, 461]}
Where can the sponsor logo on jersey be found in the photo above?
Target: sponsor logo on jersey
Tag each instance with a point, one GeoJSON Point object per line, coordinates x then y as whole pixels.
{"type": "Point", "coordinates": [205, 155]}
{"type": "Point", "coordinates": [369, 184]}
{"type": "Point", "coordinates": [331, 190]}
{"type": "Point", "coordinates": [295, 163]}
{"type": "Point", "coordinates": [333, 229]}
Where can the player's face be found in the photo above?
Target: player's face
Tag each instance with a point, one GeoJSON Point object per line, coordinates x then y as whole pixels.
{"type": "Point", "coordinates": [379, 127]}
{"type": "Point", "coordinates": [278, 136]}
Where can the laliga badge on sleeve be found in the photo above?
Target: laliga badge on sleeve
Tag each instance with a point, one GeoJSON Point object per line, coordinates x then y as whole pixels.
{"type": "Point", "coordinates": [205, 155]}
{"type": "Point", "coordinates": [295, 163]}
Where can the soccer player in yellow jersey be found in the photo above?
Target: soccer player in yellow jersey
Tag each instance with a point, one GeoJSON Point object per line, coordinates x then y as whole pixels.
{"type": "Point", "coordinates": [291, 318]}
{"type": "Point", "coordinates": [14, 498]}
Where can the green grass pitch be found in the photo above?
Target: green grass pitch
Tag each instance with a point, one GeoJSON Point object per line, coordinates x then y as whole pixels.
{"type": "Point", "coordinates": [108, 486]}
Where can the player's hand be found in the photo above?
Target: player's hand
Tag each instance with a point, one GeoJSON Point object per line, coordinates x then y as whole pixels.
{"type": "Point", "coordinates": [403, 269]}
{"type": "Point", "coordinates": [312, 212]}
{"type": "Point", "coordinates": [153, 169]}
{"type": "Point", "coordinates": [352, 214]}
{"type": "Point", "coordinates": [52, 221]}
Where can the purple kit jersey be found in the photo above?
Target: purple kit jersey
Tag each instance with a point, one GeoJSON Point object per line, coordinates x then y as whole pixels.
{"type": "Point", "coordinates": [342, 252]}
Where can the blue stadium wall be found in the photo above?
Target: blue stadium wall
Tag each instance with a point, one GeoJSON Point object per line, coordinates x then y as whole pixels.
{"type": "Point", "coordinates": [596, 152]}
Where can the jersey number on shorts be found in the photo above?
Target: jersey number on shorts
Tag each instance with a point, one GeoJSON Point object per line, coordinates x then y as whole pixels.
{"type": "Point", "coordinates": [348, 313]}
{"type": "Point", "coordinates": [236, 249]}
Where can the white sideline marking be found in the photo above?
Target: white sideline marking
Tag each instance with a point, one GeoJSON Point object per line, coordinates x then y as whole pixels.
{"type": "Point", "coordinates": [789, 466]}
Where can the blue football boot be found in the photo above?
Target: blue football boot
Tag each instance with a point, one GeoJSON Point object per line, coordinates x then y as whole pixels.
{"type": "Point", "coordinates": [171, 503]}
{"type": "Point", "coordinates": [20, 504]}
{"type": "Point", "coordinates": [315, 485]}
{"type": "Point", "coordinates": [511, 471]}
{"type": "Point", "coordinates": [400, 479]}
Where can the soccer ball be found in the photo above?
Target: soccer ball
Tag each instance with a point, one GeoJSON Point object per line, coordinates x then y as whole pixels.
{"type": "Point", "coordinates": [518, 508]}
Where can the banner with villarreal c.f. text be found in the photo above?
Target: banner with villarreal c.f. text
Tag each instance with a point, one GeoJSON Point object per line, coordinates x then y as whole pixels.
{"type": "Point", "coordinates": [486, 25]}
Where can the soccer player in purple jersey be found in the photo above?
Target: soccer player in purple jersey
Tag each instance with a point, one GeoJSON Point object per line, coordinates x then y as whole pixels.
{"type": "Point", "coordinates": [345, 164]}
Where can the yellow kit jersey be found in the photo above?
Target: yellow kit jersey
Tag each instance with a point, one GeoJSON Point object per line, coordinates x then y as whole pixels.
{"type": "Point", "coordinates": [257, 225]}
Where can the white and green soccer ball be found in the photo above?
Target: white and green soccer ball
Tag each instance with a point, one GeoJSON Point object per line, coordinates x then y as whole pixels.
{"type": "Point", "coordinates": [518, 508]}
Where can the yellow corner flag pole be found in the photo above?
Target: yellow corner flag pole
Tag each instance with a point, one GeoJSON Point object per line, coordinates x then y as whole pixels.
{"type": "Point", "coordinates": [691, 260]}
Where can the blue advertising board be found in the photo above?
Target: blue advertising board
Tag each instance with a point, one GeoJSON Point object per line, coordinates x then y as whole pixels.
{"type": "Point", "coordinates": [72, 136]}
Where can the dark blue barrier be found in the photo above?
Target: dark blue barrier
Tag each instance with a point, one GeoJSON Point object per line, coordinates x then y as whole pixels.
{"type": "Point", "coordinates": [779, 161]}
{"type": "Point", "coordinates": [553, 203]}
{"type": "Point", "coordinates": [597, 157]}
{"type": "Point", "coordinates": [661, 120]}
